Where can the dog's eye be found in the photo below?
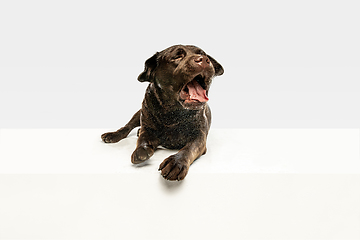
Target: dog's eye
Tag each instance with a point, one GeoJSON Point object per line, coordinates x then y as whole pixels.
{"type": "Point", "coordinates": [179, 54]}
{"type": "Point", "coordinates": [178, 57]}
{"type": "Point", "coordinates": [200, 52]}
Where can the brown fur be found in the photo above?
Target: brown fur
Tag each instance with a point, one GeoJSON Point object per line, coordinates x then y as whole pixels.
{"type": "Point", "coordinates": [166, 118]}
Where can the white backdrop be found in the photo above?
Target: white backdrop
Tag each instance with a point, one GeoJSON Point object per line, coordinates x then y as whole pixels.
{"type": "Point", "coordinates": [75, 63]}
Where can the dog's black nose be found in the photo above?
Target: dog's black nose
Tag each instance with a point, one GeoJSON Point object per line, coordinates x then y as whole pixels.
{"type": "Point", "coordinates": [202, 61]}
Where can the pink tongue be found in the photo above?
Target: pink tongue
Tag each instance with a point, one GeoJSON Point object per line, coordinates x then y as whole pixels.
{"type": "Point", "coordinates": [197, 92]}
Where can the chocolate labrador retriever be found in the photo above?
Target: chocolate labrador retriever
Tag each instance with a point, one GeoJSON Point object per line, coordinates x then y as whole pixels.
{"type": "Point", "coordinates": [174, 112]}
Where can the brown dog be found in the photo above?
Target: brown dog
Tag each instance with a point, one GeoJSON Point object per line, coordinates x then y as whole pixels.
{"type": "Point", "coordinates": [174, 112]}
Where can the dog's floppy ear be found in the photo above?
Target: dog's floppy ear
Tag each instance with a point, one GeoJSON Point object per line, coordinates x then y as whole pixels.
{"type": "Point", "coordinates": [148, 74]}
{"type": "Point", "coordinates": [219, 70]}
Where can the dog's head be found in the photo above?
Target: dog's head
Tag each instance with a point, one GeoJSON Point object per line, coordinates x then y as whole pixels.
{"type": "Point", "coordinates": [182, 74]}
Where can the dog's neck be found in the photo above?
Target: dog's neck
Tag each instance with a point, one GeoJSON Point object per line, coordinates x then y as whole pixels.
{"type": "Point", "coordinates": [169, 109]}
{"type": "Point", "coordinates": [164, 100]}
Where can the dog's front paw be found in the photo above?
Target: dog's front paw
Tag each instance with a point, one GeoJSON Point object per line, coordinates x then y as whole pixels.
{"type": "Point", "coordinates": [141, 154]}
{"type": "Point", "coordinates": [174, 168]}
{"type": "Point", "coordinates": [113, 137]}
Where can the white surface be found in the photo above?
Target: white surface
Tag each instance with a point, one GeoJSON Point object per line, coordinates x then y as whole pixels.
{"type": "Point", "coordinates": [252, 184]}
{"type": "Point", "coordinates": [323, 151]}
{"type": "Point", "coordinates": [204, 206]}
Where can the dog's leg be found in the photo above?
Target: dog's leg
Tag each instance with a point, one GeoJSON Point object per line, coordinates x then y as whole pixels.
{"type": "Point", "coordinates": [177, 166]}
{"type": "Point", "coordinates": [145, 147]}
{"type": "Point", "coordinates": [113, 137]}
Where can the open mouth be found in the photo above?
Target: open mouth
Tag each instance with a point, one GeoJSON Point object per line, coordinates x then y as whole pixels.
{"type": "Point", "coordinates": [195, 90]}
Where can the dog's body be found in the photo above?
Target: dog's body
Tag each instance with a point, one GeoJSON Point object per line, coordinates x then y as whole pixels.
{"type": "Point", "coordinates": [174, 112]}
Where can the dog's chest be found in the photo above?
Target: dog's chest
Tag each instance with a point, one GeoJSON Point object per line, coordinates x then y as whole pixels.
{"type": "Point", "coordinates": [178, 119]}
{"type": "Point", "coordinates": [177, 137]}
{"type": "Point", "coordinates": [175, 130]}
